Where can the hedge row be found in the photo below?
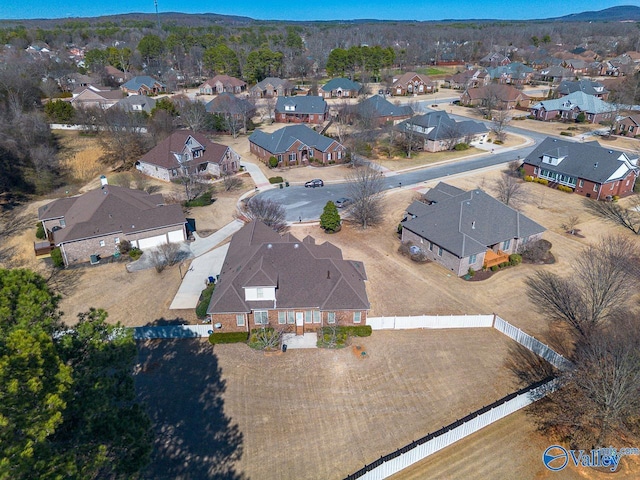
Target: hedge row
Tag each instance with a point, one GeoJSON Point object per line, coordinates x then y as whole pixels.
{"type": "Point", "coordinates": [228, 337]}
{"type": "Point", "coordinates": [357, 330]}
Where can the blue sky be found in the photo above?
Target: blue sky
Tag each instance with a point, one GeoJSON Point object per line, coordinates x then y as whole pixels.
{"type": "Point", "coordinates": [309, 10]}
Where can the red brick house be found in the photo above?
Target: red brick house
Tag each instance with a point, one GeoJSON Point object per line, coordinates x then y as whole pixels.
{"type": "Point", "coordinates": [282, 282]}
{"type": "Point", "coordinates": [503, 97]}
{"type": "Point", "coordinates": [588, 168]}
{"type": "Point", "coordinates": [569, 107]}
{"type": "Point", "coordinates": [301, 109]}
{"type": "Point", "coordinates": [296, 145]}
{"type": "Point", "coordinates": [221, 84]}
{"type": "Point", "coordinates": [412, 83]}
{"type": "Point", "coordinates": [93, 225]}
{"type": "Point", "coordinates": [629, 126]}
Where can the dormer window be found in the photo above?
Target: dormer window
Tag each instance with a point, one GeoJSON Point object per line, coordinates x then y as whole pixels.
{"type": "Point", "coordinates": [289, 108]}
{"type": "Point", "coordinates": [197, 153]}
{"type": "Point", "coordinates": [551, 160]}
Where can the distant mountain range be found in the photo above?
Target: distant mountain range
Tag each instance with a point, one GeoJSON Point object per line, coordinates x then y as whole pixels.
{"type": "Point", "coordinates": [612, 14]}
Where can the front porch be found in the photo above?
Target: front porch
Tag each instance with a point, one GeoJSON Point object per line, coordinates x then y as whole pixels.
{"type": "Point", "coordinates": [492, 258]}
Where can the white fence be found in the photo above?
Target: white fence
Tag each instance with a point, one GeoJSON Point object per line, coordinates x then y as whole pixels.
{"type": "Point", "coordinates": [416, 451]}
{"type": "Point", "coordinates": [532, 344]}
{"type": "Point", "coordinates": [172, 331]}
{"type": "Point", "coordinates": [430, 321]}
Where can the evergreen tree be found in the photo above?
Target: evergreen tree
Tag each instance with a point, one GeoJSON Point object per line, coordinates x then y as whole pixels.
{"type": "Point", "coordinates": [330, 219]}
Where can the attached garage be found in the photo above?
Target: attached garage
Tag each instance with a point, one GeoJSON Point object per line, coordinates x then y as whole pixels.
{"type": "Point", "coordinates": [176, 236]}
{"type": "Point", "coordinates": [152, 241]}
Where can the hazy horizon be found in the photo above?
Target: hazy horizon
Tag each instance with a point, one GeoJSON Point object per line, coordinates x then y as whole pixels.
{"type": "Point", "coordinates": [326, 11]}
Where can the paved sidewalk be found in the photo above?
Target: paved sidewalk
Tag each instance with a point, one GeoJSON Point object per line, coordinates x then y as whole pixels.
{"type": "Point", "coordinates": [195, 280]}
{"type": "Point", "coordinates": [308, 340]}
{"type": "Point", "coordinates": [201, 245]}
{"type": "Point", "coordinates": [259, 178]}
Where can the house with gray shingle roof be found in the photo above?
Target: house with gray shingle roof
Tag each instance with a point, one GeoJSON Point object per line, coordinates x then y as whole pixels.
{"type": "Point", "coordinates": [221, 84]}
{"type": "Point", "coordinates": [339, 88]}
{"type": "Point", "coordinates": [590, 169]}
{"type": "Point", "coordinates": [301, 109]}
{"type": "Point", "coordinates": [440, 132]}
{"type": "Point", "coordinates": [515, 73]}
{"type": "Point", "coordinates": [92, 96]}
{"type": "Point", "coordinates": [570, 106]}
{"type": "Point", "coordinates": [136, 103]}
{"type": "Point", "coordinates": [285, 283]}
{"type": "Point", "coordinates": [96, 222]}
{"type": "Point", "coordinates": [462, 230]}
{"type": "Point", "coordinates": [382, 111]}
{"type": "Point", "coordinates": [185, 152]}
{"type": "Point", "coordinates": [296, 145]}
{"type": "Point", "coordinates": [589, 87]}
{"type": "Point", "coordinates": [271, 87]}
{"type": "Point", "coordinates": [143, 85]}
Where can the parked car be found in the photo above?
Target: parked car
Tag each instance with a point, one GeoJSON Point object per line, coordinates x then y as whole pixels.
{"type": "Point", "coordinates": [316, 182]}
{"type": "Point", "coordinates": [343, 202]}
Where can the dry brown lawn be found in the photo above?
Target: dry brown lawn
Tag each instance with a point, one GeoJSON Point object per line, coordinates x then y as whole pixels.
{"type": "Point", "coordinates": [324, 413]}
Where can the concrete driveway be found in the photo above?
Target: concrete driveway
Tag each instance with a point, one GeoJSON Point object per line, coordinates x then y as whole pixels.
{"type": "Point", "coordinates": [195, 280]}
{"type": "Point", "coordinates": [201, 245]}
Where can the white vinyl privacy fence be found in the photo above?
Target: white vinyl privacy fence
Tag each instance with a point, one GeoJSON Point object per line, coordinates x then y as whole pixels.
{"type": "Point", "coordinates": [430, 321]}
{"type": "Point", "coordinates": [536, 346]}
{"type": "Point", "coordinates": [432, 443]}
{"type": "Point", "coordinates": [414, 452]}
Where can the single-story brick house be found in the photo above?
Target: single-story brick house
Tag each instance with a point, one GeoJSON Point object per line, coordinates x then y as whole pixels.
{"type": "Point", "coordinates": [503, 97]}
{"type": "Point", "coordinates": [229, 104]}
{"type": "Point", "coordinates": [440, 132]}
{"type": "Point", "coordinates": [96, 222]}
{"type": "Point", "coordinates": [271, 87]}
{"type": "Point", "coordinates": [339, 88]}
{"type": "Point", "coordinates": [462, 230]}
{"type": "Point", "coordinates": [571, 106]}
{"type": "Point", "coordinates": [91, 96]}
{"type": "Point", "coordinates": [187, 152]}
{"type": "Point", "coordinates": [412, 83]}
{"type": "Point", "coordinates": [143, 85]}
{"type": "Point", "coordinates": [301, 109]}
{"type": "Point", "coordinates": [468, 79]}
{"type": "Point", "coordinates": [296, 145]}
{"type": "Point", "coordinates": [590, 169]}
{"type": "Point", "coordinates": [221, 84]}
{"type": "Point", "coordinates": [285, 283]}
{"type": "Point", "coordinates": [382, 111]}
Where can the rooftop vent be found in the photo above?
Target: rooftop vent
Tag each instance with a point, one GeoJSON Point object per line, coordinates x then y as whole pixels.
{"type": "Point", "coordinates": [295, 245]}
{"type": "Point", "coordinates": [269, 246]}
{"type": "Point", "coordinates": [473, 224]}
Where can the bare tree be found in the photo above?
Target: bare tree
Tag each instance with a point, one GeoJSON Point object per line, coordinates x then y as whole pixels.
{"type": "Point", "coordinates": [570, 225]}
{"type": "Point", "coordinates": [603, 277]}
{"type": "Point", "coordinates": [270, 107]}
{"type": "Point", "coordinates": [166, 254]}
{"type": "Point", "coordinates": [365, 186]}
{"type": "Point", "coordinates": [509, 190]}
{"type": "Point", "coordinates": [615, 213]}
{"type": "Point", "coordinates": [499, 125]}
{"type": "Point", "coordinates": [269, 212]}
{"type": "Point", "coordinates": [231, 182]}
{"type": "Point", "coordinates": [192, 113]}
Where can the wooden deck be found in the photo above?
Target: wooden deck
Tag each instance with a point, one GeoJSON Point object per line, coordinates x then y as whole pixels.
{"type": "Point", "coordinates": [492, 258]}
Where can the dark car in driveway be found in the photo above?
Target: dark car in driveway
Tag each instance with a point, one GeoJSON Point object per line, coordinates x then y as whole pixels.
{"type": "Point", "coordinates": [343, 202]}
{"type": "Point", "coordinates": [316, 182]}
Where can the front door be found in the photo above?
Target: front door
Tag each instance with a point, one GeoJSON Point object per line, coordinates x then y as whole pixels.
{"type": "Point", "coordinates": [299, 323]}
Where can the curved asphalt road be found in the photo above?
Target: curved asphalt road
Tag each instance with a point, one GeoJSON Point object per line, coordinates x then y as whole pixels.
{"type": "Point", "coordinates": [306, 204]}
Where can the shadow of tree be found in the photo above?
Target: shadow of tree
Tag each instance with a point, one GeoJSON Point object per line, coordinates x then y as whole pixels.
{"type": "Point", "coordinates": [163, 322]}
{"type": "Point", "coordinates": [181, 383]}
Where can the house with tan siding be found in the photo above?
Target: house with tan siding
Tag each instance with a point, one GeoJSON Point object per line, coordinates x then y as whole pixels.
{"type": "Point", "coordinates": [464, 230]}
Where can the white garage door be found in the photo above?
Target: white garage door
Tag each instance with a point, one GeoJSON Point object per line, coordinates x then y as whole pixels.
{"type": "Point", "coordinates": [176, 236]}
{"type": "Point", "coordinates": [152, 241]}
